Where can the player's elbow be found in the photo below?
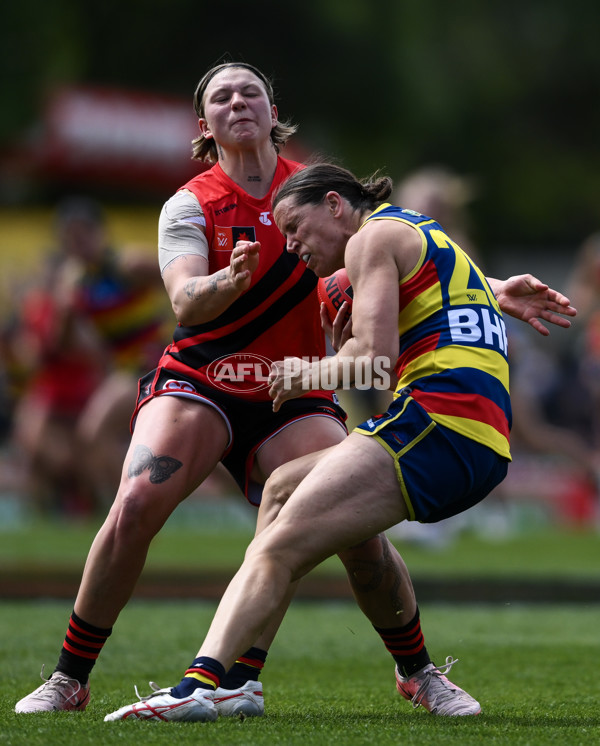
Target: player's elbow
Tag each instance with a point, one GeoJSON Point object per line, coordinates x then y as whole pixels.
{"type": "Point", "coordinates": [187, 313]}
{"type": "Point", "coordinates": [182, 312]}
{"type": "Point", "coordinates": [376, 363]}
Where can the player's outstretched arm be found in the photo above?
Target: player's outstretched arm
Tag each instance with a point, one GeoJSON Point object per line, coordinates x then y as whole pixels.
{"type": "Point", "coordinates": [531, 300]}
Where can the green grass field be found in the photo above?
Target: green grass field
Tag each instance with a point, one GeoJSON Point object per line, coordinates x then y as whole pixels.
{"type": "Point", "coordinates": [198, 540]}
{"type": "Point", "coordinates": [328, 679]}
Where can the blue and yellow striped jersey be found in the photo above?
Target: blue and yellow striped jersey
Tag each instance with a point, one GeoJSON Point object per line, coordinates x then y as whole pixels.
{"type": "Point", "coordinates": [453, 345]}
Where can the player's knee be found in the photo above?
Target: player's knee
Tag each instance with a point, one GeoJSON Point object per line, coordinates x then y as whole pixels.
{"type": "Point", "coordinates": [278, 488]}
{"type": "Point", "coordinates": [365, 562]}
{"type": "Point", "coordinates": [133, 516]}
{"type": "Point", "coordinates": [371, 550]}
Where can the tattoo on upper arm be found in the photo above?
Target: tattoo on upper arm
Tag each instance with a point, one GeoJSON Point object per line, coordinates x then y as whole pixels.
{"type": "Point", "coordinates": [160, 467]}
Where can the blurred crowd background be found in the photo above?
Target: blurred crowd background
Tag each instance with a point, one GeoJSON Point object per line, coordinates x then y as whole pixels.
{"type": "Point", "coordinates": [486, 115]}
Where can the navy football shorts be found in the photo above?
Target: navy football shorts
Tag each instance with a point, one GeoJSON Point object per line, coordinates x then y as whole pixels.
{"type": "Point", "coordinates": [440, 472]}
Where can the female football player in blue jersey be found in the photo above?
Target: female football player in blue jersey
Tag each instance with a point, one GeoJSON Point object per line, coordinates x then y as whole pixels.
{"type": "Point", "coordinates": [235, 293]}
{"type": "Point", "coordinates": [428, 317]}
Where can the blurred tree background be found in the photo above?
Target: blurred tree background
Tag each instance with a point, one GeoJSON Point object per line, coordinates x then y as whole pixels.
{"type": "Point", "coordinates": [504, 92]}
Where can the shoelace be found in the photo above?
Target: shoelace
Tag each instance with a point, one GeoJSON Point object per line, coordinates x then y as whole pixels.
{"type": "Point", "coordinates": [155, 690]}
{"type": "Point", "coordinates": [58, 684]}
{"type": "Point", "coordinates": [428, 678]}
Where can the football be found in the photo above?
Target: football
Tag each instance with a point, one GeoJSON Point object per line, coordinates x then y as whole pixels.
{"type": "Point", "coordinates": [333, 291]}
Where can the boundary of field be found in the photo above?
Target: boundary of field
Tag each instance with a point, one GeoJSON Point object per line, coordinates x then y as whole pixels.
{"type": "Point", "coordinates": [49, 583]}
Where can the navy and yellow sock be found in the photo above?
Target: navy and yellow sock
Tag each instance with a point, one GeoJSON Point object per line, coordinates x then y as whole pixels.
{"type": "Point", "coordinates": [204, 673]}
{"type": "Point", "coordinates": [407, 646]}
{"type": "Point", "coordinates": [81, 648]}
{"type": "Point", "coordinates": [246, 668]}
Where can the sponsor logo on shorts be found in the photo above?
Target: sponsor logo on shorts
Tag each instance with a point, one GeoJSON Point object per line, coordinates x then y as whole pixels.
{"type": "Point", "coordinates": [247, 372]}
{"type": "Point", "coordinates": [240, 372]}
{"type": "Point", "coordinates": [183, 386]}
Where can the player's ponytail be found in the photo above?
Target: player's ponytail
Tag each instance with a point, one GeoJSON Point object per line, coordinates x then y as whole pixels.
{"type": "Point", "coordinates": [311, 184]}
{"type": "Point", "coordinates": [377, 189]}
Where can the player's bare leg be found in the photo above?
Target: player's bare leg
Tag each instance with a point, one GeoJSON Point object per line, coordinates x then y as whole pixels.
{"type": "Point", "coordinates": [160, 470]}
{"type": "Point", "coordinates": [322, 515]}
{"type": "Point", "coordinates": [378, 576]}
{"type": "Point", "coordinates": [383, 590]}
{"type": "Point", "coordinates": [291, 450]}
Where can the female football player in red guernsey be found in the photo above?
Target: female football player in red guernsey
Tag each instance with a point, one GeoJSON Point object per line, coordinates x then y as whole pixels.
{"type": "Point", "coordinates": [241, 301]}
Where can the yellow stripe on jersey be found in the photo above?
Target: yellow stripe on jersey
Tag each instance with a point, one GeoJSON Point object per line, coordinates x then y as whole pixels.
{"type": "Point", "coordinates": [452, 357]}
{"type": "Point", "coordinates": [419, 308]}
{"type": "Point", "coordinates": [478, 431]}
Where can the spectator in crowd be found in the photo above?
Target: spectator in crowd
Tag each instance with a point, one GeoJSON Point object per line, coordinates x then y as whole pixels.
{"type": "Point", "coordinates": [446, 195]}
{"type": "Point", "coordinates": [581, 402]}
{"type": "Point", "coordinates": [87, 327]}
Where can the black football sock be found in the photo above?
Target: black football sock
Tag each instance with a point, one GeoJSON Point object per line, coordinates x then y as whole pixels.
{"type": "Point", "coordinates": [246, 668]}
{"type": "Point", "coordinates": [407, 646]}
{"type": "Point", "coordinates": [81, 648]}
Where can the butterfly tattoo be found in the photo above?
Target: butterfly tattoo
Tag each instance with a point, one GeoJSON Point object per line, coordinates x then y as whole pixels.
{"type": "Point", "coordinates": [160, 467]}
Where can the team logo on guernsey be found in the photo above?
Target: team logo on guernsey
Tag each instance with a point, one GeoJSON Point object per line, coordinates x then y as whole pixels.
{"type": "Point", "coordinates": [239, 372]}
{"type": "Point", "coordinates": [227, 237]}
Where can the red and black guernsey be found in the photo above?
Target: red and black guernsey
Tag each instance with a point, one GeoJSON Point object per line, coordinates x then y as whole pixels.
{"type": "Point", "coordinates": [277, 317]}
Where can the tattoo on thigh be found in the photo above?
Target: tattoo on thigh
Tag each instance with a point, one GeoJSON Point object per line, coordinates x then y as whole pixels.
{"type": "Point", "coordinates": [160, 467]}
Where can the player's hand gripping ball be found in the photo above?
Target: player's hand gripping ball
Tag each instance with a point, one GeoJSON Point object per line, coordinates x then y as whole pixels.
{"type": "Point", "coordinates": [333, 291]}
